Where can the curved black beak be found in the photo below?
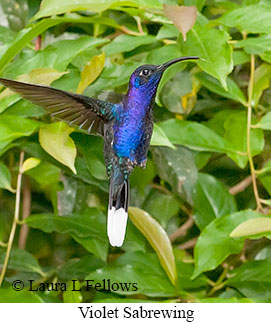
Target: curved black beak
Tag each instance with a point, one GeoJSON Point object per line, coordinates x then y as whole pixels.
{"type": "Point", "coordinates": [163, 67]}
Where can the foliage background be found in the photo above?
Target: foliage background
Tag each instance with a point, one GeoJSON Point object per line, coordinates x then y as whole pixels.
{"type": "Point", "coordinates": [201, 181]}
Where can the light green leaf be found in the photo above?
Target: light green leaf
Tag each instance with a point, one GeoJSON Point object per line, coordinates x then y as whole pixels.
{"type": "Point", "coordinates": [217, 54]}
{"type": "Point", "coordinates": [126, 43]}
{"type": "Point", "coordinates": [159, 138]}
{"type": "Point", "coordinates": [194, 135]}
{"type": "Point", "coordinates": [53, 7]}
{"type": "Point", "coordinates": [42, 76]}
{"type": "Point", "coordinates": [9, 295]}
{"type": "Point", "coordinates": [73, 294]}
{"type": "Point", "coordinates": [233, 91]}
{"type": "Point", "coordinates": [27, 34]}
{"type": "Point", "coordinates": [252, 227]}
{"type": "Point", "coordinates": [252, 19]}
{"type": "Point", "coordinates": [54, 139]}
{"type": "Point", "coordinates": [91, 71]}
{"type": "Point", "coordinates": [214, 244]}
{"type": "Point", "coordinates": [255, 45]}
{"type": "Point", "coordinates": [212, 200]}
{"type": "Point", "coordinates": [236, 135]}
{"type": "Point", "coordinates": [13, 127]}
{"type": "Point", "coordinates": [265, 122]}
{"type": "Point", "coordinates": [5, 178]}
{"type": "Point", "coordinates": [158, 239]}
{"type": "Point", "coordinates": [30, 163]}
{"type": "Point", "coordinates": [261, 82]}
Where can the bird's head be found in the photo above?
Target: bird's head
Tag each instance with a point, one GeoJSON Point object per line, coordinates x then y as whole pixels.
{"type": "Point", "coordinates": [146, 78]}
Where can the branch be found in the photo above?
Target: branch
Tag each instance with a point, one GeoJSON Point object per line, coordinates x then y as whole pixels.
{"type": "Point", "coordinates": [26, 209]}
{"type": "Point", "coordinates": [188, 244]}
{"type": "Point", "coordinates": [182, 229]}
{"type": "Point", "coordinates": [15, 219]}
{"type": "Point", "coordinates": [241, 186]}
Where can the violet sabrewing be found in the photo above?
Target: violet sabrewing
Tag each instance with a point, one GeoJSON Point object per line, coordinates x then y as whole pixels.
{"type": "Point", "coordinates": [126, 128]}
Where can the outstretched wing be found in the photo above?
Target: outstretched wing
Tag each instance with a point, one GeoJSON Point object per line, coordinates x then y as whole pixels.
{"type": "Point", "coordinates": [87, 113]}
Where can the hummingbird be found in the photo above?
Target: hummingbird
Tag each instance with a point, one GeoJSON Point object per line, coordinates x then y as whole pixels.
{"type": "Point", "coordinates": [125, 126]}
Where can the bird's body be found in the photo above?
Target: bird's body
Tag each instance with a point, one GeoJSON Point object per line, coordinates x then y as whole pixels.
{"type": "Point", "coordinates": [126, 127]}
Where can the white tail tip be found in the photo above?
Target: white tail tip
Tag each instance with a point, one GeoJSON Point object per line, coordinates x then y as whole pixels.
{"type": "Point", "coordinates": [116, 226]}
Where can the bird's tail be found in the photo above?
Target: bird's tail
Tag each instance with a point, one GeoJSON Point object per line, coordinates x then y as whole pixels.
{"type": "Point", "coordinates": [117, 209]}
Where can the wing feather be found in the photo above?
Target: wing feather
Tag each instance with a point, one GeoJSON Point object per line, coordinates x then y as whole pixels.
{"type": "Point", "coordinates": [87, 113]}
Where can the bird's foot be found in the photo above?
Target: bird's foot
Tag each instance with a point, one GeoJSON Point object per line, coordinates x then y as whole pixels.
{"type": "Point", "coordinates": [143, 164]}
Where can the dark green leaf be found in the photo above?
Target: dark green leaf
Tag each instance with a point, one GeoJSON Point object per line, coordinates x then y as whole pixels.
{"type": "Point", "coordinates": [212, 200]}
{"type": "Point", "coordinates": [214, 244]}
{"type": "Point", "coordinates": [233, 92]}
{"type": "Point", "coordinates": [178, 168]}
{"type": "Point", "coordinates": [253, 279]}
{"type": "Point", "coordinates": [88, 229]}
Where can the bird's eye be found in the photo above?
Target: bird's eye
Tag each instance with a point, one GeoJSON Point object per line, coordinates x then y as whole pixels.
{"type": "Point", "coordinates": [145, 72]}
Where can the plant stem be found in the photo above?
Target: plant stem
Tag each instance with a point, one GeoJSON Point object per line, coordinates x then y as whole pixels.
{"type": "Point", "coordinates": [15, 219]}
{"type": "Point", "coordinates": [249, 113]}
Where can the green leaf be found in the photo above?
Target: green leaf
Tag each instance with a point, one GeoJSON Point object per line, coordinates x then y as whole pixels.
{"type": "Point", "coordinates": [233, 91]}
{"type": "Point", "coordinates": [141, 269]}
{"type": "Point", "coordinates": [218, 54]}
{"type": "Point", "coordinates": [72, 294]}
{"type": "Point", "coordinates": [5, 178]}
{"type": "Point", "coordinates": [54, 139]}
{"type": "Point", "coordinates": [173, 91]}
{"type": "Point", "coordinates": [159, 138]}
{"type": "Point", "coordinates": [26, 35]}
{"type": "Point", "coordinates": [212, 200]}
{"type": "Point", "coordinates": [158, 239]}
{"type": "Point", "coordinates": [78, 268]}
{"type": "Point", "coordinates": [236, 135]}
{"type": "Point", "coordinates": [57, 56]}
{"type": "Point", "coordinates": [22, 260]}
{"type": "Point", "coordinates": [255, 45]}
{"type": "Point", "coordinates": [214, 244]}
{"type": "Point", "coordinates": [126, 43]}
{"type": "Point", "coordinates": [42, 76]}
{"type": "Point", "coordinates": [265, 122]}
{"type": "Point", "coordinates": [91, 71]}
{"type": "Point", "coordinates": [178, 168]}
{"type": "Point", "coordinates": [247, 18]}
{"type": "Point", "coordinates": [167, 31]}
{"type": "Point", "coordinates": [261, 82]}
{"type": "Point", "coordinates": [9, 295]}
{"type": "Point", "coordinates": [30, 163]}
{"type": "Point", "coordinates": [161, 206]}
{"type": "Point", "coordinates": [253, 279]}
{"type": "Point", "coordinates": [252, 227]}
{"type": "Point", "coordinates": [52, 7]}
{"type": "Point", "coordinates": [88, 229]}
{"type": "Point", "coordinates": [13, 127]}
{"type": "Point", "coordinates": [194, 135]}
